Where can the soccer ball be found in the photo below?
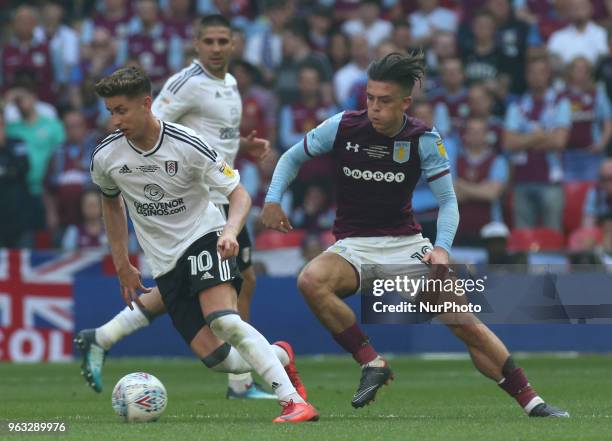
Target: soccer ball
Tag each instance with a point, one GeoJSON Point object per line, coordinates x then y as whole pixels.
{"type": "Point", "coordinates": [139, 397]}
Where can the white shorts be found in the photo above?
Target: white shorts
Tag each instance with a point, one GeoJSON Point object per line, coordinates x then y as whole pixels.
{"type": "Point", "coordinates": [384, 250]}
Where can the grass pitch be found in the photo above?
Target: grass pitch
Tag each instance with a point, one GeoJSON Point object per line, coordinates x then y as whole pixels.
{"type": "Point", "coordinates": [429, 400]}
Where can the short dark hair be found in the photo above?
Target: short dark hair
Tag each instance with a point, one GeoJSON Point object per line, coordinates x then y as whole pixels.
{"type": "Point", "coordinates": [128, 81]}
{"type": "Point", "coordinates": [402, 69]}
{"type": "Point", "coordinates": [214, 20]}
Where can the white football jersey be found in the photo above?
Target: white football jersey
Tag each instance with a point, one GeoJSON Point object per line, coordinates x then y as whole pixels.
{"type": "Point", "coordinates": [206, 104]}
{"type": "Point", "coordinates": [166, 189]}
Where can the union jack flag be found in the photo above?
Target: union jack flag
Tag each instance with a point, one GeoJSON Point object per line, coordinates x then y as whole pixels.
{"type": "Point", "coordinates": [36, 303]}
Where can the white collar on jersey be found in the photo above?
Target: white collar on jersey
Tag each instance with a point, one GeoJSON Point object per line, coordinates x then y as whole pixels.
{"type": "Point", "coordinates": [158, 144]}
{"type": "Point", "coordinates": [207, 73]}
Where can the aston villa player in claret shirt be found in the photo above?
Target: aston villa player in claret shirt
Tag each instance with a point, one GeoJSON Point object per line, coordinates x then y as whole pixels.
{"type": "Point", "coordinates": [379, 155]}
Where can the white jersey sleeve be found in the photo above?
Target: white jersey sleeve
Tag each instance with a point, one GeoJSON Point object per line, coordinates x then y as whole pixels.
{"type": "Point", "coordinates": [215, 172]}
{"type": "Point", "coordinates": [172, 106]}
{"type": "Point", "coordinates": [98, 171]}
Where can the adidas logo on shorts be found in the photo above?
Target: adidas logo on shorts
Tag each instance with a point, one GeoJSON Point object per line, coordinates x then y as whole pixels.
{"type": "Point", "coordinates": [206, 276]}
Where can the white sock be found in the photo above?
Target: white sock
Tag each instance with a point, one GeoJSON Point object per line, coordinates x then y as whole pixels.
{"type": "Point", "coordinates": [377, 362]}
{"type": "Point", "coordinates": [240, 382]}
{"type": "Point", "coordinates": [255, 349]}
{"type": "Point", "coordinates": [235, 364]}
{"type": "Point", "coordinates": [121, 325]}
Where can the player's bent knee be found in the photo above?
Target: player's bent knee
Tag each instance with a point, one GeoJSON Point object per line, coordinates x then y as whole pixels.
{"type": "Point", "coordinates": [311, 283]}
{"type": "Point", "coordinates": [225, 324]}
{"type": "Point", "coordinates": [471, 334]}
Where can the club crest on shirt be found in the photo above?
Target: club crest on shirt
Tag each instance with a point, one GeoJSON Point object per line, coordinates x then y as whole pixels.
{"type": "Point", "coordinates": [171, 167]}
{"type": "Point", "coordinates": [401, 151]}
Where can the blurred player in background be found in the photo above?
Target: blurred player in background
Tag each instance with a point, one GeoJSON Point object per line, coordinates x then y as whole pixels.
{"type": "Point", "coordinates": [163, 172]}
{"type": "Point", "coordinates": [205, 98]}
{"type": "Point", "coordinates": [379, 155]}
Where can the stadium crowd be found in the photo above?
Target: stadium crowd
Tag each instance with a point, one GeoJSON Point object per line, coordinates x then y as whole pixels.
{"type": "Point", "coordinates": [519, 90]}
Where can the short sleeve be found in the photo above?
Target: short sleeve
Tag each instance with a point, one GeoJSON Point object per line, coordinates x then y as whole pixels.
{"type": "Point", "coordinates": [171, 106]}
{"type": "Point", "coordinates": [434, 159]}
{"type": "Point", "coordinates": [99, 176]}
{"type": "Point", "coordinates": [320, 140]}
{"type": "Point", "coordinates": [213, 169]}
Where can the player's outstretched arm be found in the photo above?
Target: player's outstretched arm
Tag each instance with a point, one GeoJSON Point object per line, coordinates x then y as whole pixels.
{"type": "Point", "coordinates": [239, 206]}
{"type": "Point", "coordinates": [318, 141]}
{"type": "Point", "coordinates": [115, 221]}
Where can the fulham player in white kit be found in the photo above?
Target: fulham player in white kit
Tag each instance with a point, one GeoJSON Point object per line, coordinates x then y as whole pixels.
{"type": "Point", "coordinates": [203, 97]}
{"type": "Point", "coordinates": [163, 172]}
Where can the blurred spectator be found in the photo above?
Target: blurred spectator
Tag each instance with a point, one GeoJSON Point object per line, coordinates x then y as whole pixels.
{"type": "Point", "coordinates": [264, 49]}
{"type": "Point", "coordinates": [444, 46]}
{"type": "Point", "coordinates": [178, 18]}
{"type": "Point", "coordinates": [315, 213]}
{"type": "Point", "coordinates": [339, 50]}
{"type": "Point", "coordinates": [401, 36]}
{"type": "Point", "coordinates": [99, 59]}
{"type": "Point", "coordinates": [582, 37]}
{"type": "Point", "coordinates": [114, 16]}
{"type": "Point", "coordinates": [353, 71]}
{"type": "Point", "coordinates": [536, 131]}
{"type": "Point", "coordinates": [24, 51]}
{"type": "Point", "coordinates": [430, 19]}
{"type": "Point", "coordinates": [306, 112]}
{"type": "Point", "coordinates": [480, 180]}
{"type": "Point", "coordinates": [25, 79]}
{"type": "Point", "coordinates": [89, 231]}
{"type": "Point", "coordinates": [598, 203]}
{"type": "Point", "coordinates": [68, 173]}
{"type": "Point", "coordinates": [514, 38]}
{"type": "Point", "coordinates": [63, 41]}
{"type": "Point", "coordinates": [237, 52]}
{"type": "Point", "coordinates": [604, 70]}
{"type": "Point", "coordinates": [369, 24]}
{"type": "Point", "coordinates": [357, 96]}
{"type": "Point", "coordinates": [296, 54]}
{"type": "Point", "coordinates": [480, 102]}
{"type": "Point", "coordinates": [549, 16]}
{"type": "Point", "coordinates": [42, 136]}
{"type": "Point", "coordinates": [591, 123]}
{"type": "Point", "coordinates": [259, 106]}
{"type": "Point", "coordinates": [450, 99]}
{"type": "Point", "coordinates": [319, 25]}
{"type": "Point", "coordinates": [158, 51]}
{"type": "Point", "coordinates": [13, 188]}
{"type": "Point", "coordinates": [312, 246]}
{"type": "Point", "coordinates": [238, 12]}
{"type": "Point", "coordinates": [98, 62]}
{"type": "Point", "coordinates": [482, 59]}
{"type": "Point", "coordinates": [494, 237]}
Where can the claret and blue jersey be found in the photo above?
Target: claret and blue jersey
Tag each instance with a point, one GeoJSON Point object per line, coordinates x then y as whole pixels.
{"type": "Point", "coordinates": [375, 175]}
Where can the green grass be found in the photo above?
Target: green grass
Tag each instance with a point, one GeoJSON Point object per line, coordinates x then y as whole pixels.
{"type": "Point", "coordinates": [429, 400]}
